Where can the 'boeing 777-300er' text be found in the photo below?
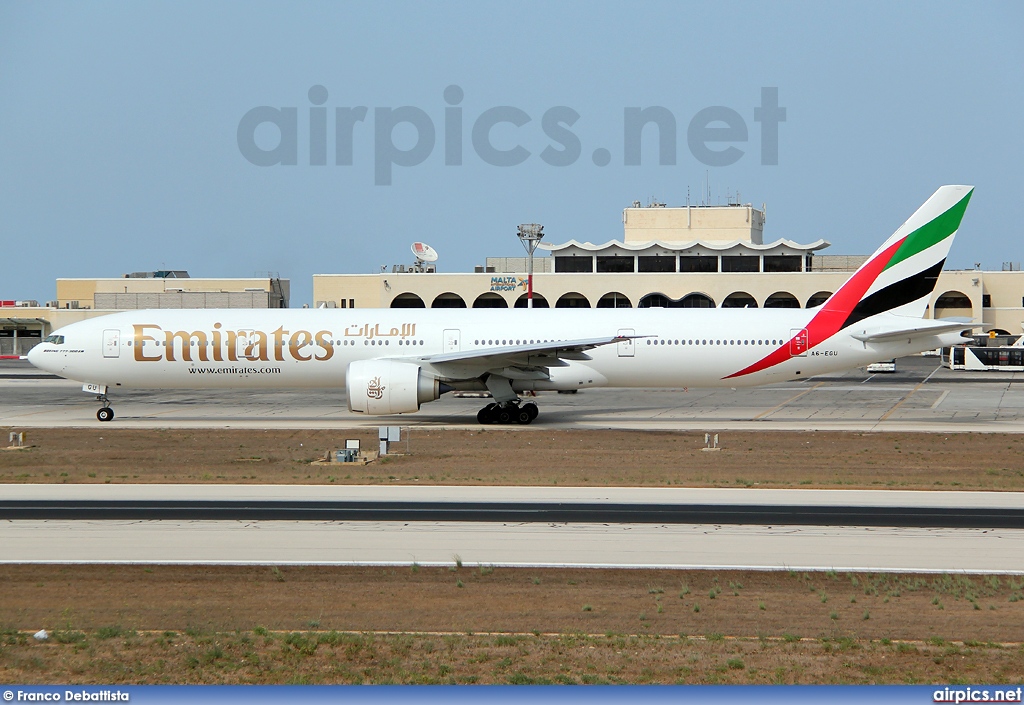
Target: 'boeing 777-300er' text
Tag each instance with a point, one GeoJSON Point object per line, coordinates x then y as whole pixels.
{"type": "Point", "coordinates": [391, 361]}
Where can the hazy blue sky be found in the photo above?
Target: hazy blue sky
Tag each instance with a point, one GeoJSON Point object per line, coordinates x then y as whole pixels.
{"type": "Point", "coordinates": [119, 127]}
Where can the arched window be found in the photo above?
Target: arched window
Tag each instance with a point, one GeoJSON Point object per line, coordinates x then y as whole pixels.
{"type": "Point", "coordinates": [490, 300]}
{"type": "Point", "coordinates": [572, 300]}
{"type": "Point", "coordinates": [952, 300]}
{"type": "Point", "coordinates": [818, 299]}
{"type": "Point", "coordinates": [448, 300]}
{"type": "Point", "coordinates": [407, 301]}
{"type": "Point", "coordinates": [614, 299]}
{"type": "Point", "coordinates": [781, 299]}
{"type": "Point", "coordinates": [653, 301]}
{"type": "Point", "coordinates": [538, 301]}
{"type": "Point", "coordinates": [696, 300]}
{"type": "Point", "coordinates": [739, 299]}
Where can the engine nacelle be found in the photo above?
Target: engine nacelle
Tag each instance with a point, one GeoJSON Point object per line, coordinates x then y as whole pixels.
{"type": "Point", "coordinates": [381, 387]}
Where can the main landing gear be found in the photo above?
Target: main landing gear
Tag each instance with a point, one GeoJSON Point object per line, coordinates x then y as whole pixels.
{"type": "Point", "coordinates": [105, 413]}
{"type": "Point", "coordinates": [508, 412]}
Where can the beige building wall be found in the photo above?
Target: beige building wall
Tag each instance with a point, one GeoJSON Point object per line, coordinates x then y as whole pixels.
{"type": "Point", "coordinates": [997, 298]}
{"type": "Point", "coordinates": [357, 290]}
{"type": "Point", "coordinates": [688, 223]}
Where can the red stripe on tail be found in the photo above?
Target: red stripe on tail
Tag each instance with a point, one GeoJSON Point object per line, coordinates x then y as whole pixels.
{"type": "Point", "coordinates": [828, 321]}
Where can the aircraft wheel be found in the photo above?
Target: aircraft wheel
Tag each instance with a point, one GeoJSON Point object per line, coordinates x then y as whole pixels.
{"type": "Point", "coordinates": [503, 415]}
{"type": "Point", "coordinates": [485, 415]}
{"type": "Point", "coordinates": [523, 416]}
{"type": "Point", "coordinates": [532, 410]}
{"type": "Point", "coordinates": [105, 414]}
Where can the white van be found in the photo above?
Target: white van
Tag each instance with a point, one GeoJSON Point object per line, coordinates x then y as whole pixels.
{"type": "Point", "coordinates": [886, 366]}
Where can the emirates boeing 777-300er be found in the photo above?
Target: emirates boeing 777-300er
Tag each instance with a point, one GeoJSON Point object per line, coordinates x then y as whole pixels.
{"type": "Point", "coordinates": [391, 361]}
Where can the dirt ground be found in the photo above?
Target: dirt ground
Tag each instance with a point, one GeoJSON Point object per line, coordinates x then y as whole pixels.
{"type": "Point", "coordinates": [135, 624]}
{"type": "Point", "coordinates": [509, 457]}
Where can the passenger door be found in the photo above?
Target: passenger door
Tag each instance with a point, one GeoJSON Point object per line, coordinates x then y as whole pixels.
{"type": "Point", "coordinates": [798, 343]}
{"type": "Point", "coordinates": [111, 343]}
{"type": "Point", "coordinates": [626, 347]}
{"type": "Point", "coordinates": [451, 340]}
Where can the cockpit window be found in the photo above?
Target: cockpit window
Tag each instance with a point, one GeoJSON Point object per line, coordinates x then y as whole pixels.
{"type": "Point", "coordinates": [54, 339]}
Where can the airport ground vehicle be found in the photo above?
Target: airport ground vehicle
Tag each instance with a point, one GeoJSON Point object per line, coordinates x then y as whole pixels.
{"type": "Point", "coordinates": [883, 366]}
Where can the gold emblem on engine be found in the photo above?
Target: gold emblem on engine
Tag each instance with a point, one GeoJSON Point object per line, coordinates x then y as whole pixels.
{"type": "Point", "coordinates": [374, 389]}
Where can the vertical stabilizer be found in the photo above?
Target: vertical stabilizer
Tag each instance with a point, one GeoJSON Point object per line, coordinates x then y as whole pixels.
{"type": "Point", "coordinates": [899, 277]}
{"type": "Point", "coordinates": [901, 274]}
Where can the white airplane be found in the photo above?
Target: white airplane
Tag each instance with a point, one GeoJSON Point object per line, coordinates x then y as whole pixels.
{"type": "Point", "coordinates": [391, 361]}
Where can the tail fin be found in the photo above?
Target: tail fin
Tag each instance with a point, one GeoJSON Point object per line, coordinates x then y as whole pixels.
{"type": "Point", "coordinates": [901, 274]}
{"type": "Point", "coordinates": [899, 277]}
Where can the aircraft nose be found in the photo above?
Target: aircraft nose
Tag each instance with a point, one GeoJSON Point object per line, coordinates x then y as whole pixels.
{"type": "Point", "coordinates": [36, 357]}
{"type": "Point", "coordinates": [33, 355]}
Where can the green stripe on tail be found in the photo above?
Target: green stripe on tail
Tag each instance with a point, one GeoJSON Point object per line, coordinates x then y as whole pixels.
{"type": "Point", "coordinates": [932, 232]}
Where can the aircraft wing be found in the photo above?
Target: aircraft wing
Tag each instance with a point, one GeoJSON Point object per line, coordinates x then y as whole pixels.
{"type": "Point", "coordinates": [525, 361]}
{"type": "Point", "coordinates": [922, 329]}
{"type": "Point", "coordinates": [546, 354]}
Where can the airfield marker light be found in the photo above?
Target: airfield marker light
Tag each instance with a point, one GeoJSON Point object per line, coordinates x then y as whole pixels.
{"type": "Point", "coordinates": [530, 234]}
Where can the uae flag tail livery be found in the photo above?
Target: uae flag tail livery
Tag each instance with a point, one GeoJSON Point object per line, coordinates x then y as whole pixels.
{"type": "Point", "coordinates": [888, 295]}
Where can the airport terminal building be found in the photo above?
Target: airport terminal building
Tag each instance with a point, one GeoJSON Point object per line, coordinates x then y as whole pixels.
{"type": "Point", "coordinates": [670, 257]}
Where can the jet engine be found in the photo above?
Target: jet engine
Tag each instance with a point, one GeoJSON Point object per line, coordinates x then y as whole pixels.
{"type": "Point", "coordinates": [380, 387]}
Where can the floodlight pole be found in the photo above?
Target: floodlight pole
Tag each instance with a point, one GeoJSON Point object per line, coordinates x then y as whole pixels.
{"type": "Point", "coordinates": [530, 234]}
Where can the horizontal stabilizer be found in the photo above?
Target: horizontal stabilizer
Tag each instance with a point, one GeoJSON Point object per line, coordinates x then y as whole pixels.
{"type": "Point", "coordinates": [923, 329]}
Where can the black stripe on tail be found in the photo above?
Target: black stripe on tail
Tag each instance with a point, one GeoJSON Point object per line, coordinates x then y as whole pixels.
{"type": "Point", "coordinates": [895, 295]}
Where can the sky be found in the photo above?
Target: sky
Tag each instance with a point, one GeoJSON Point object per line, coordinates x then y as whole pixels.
{"type": "Point", "coordinates": [229, 138]}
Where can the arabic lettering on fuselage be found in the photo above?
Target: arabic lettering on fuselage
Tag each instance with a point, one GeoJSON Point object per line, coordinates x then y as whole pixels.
{"type": "Point", "coordinates": [407, 330]}
{"type": "Point", "coordinates": [153, 344]}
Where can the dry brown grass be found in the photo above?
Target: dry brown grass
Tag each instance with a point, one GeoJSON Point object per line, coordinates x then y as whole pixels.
{"type": "Point", "coordinates": [351, 658]}
{"type": "Point", "coordinates": [323, 624]}
{"type": "Point", "coordinates": [530, 457]}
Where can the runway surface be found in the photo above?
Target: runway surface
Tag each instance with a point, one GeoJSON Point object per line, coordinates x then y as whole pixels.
{"type": "Point", "coordinates": [975, 510]}
{"type": "Point", "coordinates": [921, 396]}
{"type": "Point", "coordinates": [520, 543]}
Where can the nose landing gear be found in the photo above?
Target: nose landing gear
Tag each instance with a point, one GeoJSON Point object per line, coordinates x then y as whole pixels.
{"type": "Point", "coordinates": [508, 413]}
{"type": "Point", "coordinates": [105, 413]}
